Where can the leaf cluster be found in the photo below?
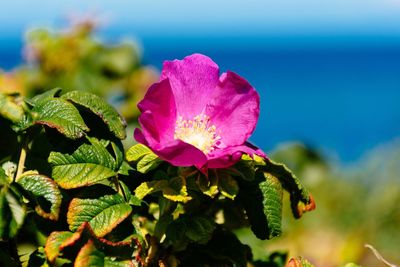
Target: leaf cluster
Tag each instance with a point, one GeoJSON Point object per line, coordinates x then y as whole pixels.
{"type": "Point", "coordinates": [66, 175]}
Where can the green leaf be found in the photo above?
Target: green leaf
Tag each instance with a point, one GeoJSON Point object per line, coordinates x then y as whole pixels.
{"type": "Point", "coordinates": [126, 192]}
{"type": "Point", "coordinates": [176, 190]}
{"type": "Point", "coordinates": [4, 179]}
{"type": "Point", "coordinates": [12, 214]}
{"type": "Point", "coordinates": [227, 185]}
{"type": "Point", "coordinates": [148, 163]}
{"type": "Point", "coordinates": [189, 228]}
{"type": "Point", "coordinates": [134, 201]}
{"type": "Point", "coordinates": [87, 165]}
{"type": "Point", "coordinates": [60, 114]}
{"type": "Point", "coordinates": [125, 168]}
{"type": "Point", "coordinates": [47, 95]}
{"type": "Point", "coordinates": [119, 154]}
{"type": "Point", "coordinates": [120, 160]}
{"type": "Point", "coordinates": [55, 242]}
{"type": "Point", "coordinates": [199, 229]}
{"type": "Point", "coordinates": [103, 213]}
{"type": "Point", "coordinates": [137, 152]}
{"type": "Point", "coordinates": [173, 189]}
{"type": "Point", "coordinates": [40, 186]}
{"type": "Point", "coordinates": [101, 108]}
{"type": "Point", "coordinates": [145, 159]}
{"type": "Point", "coordinates": [300, 198]}
{"type": "Point", "coordinates": [89, 256]}
{"type": "Point", "coordinates": [273, 194]}
{"type": "Point", "coordinates": [112, 262]}
{"type": "Point", "coordinates": [262, 200]}
{"type": "Point", "coordinates": [208, 185]}
{"type": "Point", "coordinates": [245, 168]}
{"type": "Point", "coordinates": [146, 188]}
{"type": "Point", "coordinates": [38, 258]}
{"type": "Point", "coordinates": [162, 224]}
{"type": "Point", "coordinates": [10, 109]}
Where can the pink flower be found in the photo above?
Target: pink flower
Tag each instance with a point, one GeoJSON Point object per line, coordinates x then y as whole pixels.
{"type": "Point", "coordinates": [193, 117]}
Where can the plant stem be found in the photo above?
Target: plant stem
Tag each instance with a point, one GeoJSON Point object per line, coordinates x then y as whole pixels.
{"type": "Point", "coordinates": [379, 256]}
{"type": "Point", "coordinates": [118, 187]}
{"type": "Point", "coordinates": [21, 162]}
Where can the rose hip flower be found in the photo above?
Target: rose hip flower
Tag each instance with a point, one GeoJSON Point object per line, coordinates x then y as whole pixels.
{"type": "Point", "coordinates": [193, 117]}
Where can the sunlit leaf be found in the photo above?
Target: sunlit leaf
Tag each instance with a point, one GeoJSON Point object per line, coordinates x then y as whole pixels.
{"type": "Point", "coordinates": [3, 176]}
{"type": "Point", "coordinates": [38, 258]}
{"type": "Point", "coordinates": [60, 114]}
{"type": "Point", "coordinates": [40, 186]}
{"type": "Point", "coordinates": [89, 256]}
{"type": "Point", "coordinates": [148, 163]}
{"type": "Point", "coordinates": [262, 200]}
{"type": "Point", "coordinates": [59, 241]}
{"type": "Point", "coordinates": [146, 188]}
{"type": "Point", "coordinates": [87, 165]}
{"type": "Point", "coordinates": [208, 185]}
{"type": "Point", "coordinates": [136, 152]}
{"type": "Point", "coordinates": [299, 195]}
{"type": "Point", "coordinates": [101, 108]}
{"type": "Point", "coordinates": [10, 109]}
{"type": "Point", "coordinates": [173, 189]}
{"type": "Point", "coordinates": [12, 214]}
{"type": "Point", "coordinates": [227, 185]}
{"type": "Point", "coordinates": [126, 192]}
{"type": "Point", "coordinates": [103, 213]}
{"type": "Point", "coordinates": [112, 262]}
{"type": "Point", "coordinates": [55, 242]}
{"type": "Point", "coordinates": [145, 159]}
{"type": "Point", "coordinates": [176, 190]}
{"type": "Point", "coordinates": [45, 96]}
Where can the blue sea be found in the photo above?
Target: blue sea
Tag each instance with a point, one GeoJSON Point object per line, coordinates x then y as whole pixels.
{"type": "Point", "coordinates": [341, 97]}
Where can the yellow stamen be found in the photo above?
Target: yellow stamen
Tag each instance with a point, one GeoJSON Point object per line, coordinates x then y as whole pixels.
{"type": "Point", "coordinates": [197, 132]}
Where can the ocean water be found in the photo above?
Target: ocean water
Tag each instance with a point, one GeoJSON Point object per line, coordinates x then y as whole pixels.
{"type": "Point", "coordinates": [341, 99]}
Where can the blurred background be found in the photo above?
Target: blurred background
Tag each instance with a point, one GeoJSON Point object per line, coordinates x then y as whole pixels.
{"type": "Point", "coordinates": [328, 74]}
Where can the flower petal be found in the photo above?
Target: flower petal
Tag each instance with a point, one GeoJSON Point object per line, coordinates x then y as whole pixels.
{"type": "Point", "coordinates": [192, 80]}
{"type": "Point", "coordinates": [234, 109]}
{"type": "Point", "coordinates": [139, 137]}
{"type": "Point", "coordinates": [158, 113]}
{"type": "Point", "coordinates": [179, 153]}
{"type": "Point", "coordinates": [223, 158]}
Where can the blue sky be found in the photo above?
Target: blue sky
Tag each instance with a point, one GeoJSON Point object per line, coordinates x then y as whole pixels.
{"type": "Point", "coordinates": [282, 17]}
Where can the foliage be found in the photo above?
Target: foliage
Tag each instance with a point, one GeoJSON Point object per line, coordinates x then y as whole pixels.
{"type": "Point", "coordinates": [75, 60]}
{"type": "Point", "coordinates": [357, 204]}
{"type": "Point", "coordinates": [69, 188]}
{"type": "Point", "coordinates": [67, 175]}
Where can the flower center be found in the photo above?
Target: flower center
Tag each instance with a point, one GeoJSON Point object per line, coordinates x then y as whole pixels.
{"type": "Point", "coordinates": [197, 132]}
